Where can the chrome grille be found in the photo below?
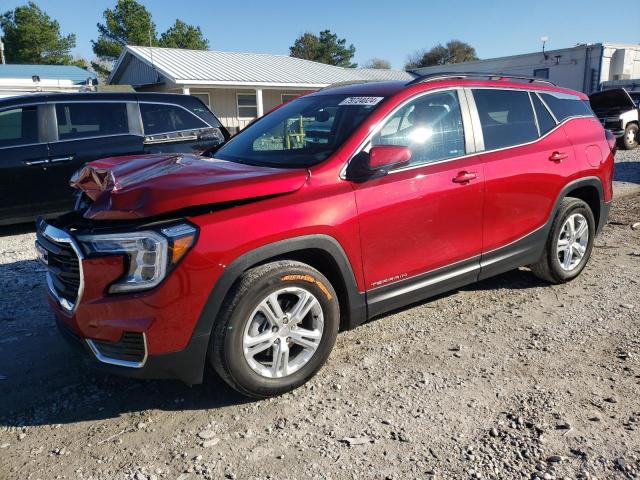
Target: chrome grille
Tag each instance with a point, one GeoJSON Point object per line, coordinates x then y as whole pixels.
{"type": "Point", "coordinates": [57, 250]}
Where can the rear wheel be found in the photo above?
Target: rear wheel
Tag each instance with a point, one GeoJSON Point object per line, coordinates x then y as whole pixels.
{"type": "Point", "coordinates": [630, 139]}
{"type": "Point", "coordinates": [276, 329]}
{"type": "Point", "coordinates": [569, 244]}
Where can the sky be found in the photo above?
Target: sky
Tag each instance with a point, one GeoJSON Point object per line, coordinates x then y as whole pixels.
{"type": "Point", "coordinates": [378, 28]}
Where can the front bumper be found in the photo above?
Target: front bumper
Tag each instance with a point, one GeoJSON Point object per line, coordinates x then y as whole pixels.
{"type": "Point", "coordinates": [186, 365]}
{"type": "Point", "coordinates": [149, 334]}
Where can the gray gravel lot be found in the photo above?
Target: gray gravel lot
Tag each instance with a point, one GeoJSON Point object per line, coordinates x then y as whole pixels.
{"type": "Point", "coordinates": [508, 378]}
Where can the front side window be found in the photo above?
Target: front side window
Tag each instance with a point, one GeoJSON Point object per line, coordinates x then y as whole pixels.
{"type": "Point", "coordinates": [79, 120]}
{"type": "Point", "coordinates": [160, 118]}
{"type": "Point", "coordinates": [18, 126]}
{"type": "Point", "coordinates": [506, 117]}
{"type": "Point", "coordinates": [431, 126]}
{"type": "Point", "coordinates": [564, 105]}
{"type": "Point", "coordinates": [247, 106]}
{"type": "Point", "coordinates": [301, 133]}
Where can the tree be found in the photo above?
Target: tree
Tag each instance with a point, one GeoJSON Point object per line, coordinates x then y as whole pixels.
{"type": "Point", "coordinates": [378, 64]}
{"type": "Point", "coordinates": [325, 48]}
{"type": "Point", "coordinates": [182, 35]}
{"type": "Point", "coordinates": [31, 36]}
{"type": "Point", "coordinates": [455, 51]}
{"type": "Point", "coordinates": [129, 23]}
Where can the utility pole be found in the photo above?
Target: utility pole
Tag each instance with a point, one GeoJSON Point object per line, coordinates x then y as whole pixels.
{"type": "Point", "coordinates": [2, 52]}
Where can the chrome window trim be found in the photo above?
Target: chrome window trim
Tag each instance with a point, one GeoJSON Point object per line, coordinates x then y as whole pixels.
{"type": "Point", "coordinates": [535, 115]}
{"type": "Point", "coordinates": [95, 137]}
{"type": "Point", "coordinates": [23, 145]}
{"type": "Point", "coordinates": [60, 236]}
{"type": "Point", "coordinates": [114, 361]}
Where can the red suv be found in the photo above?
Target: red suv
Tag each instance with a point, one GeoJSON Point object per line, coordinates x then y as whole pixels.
{"type": "Point", "coordinates": [335, 208]}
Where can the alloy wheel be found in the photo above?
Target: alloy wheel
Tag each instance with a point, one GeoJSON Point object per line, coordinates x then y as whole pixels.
{"type": "Point", "coordinates": [283, 332]}
{"type": "Point", "coordinates": [572, 241]}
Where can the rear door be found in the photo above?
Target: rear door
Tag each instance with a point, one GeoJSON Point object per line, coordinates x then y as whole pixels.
{"type": "Point", "coordinates": [526, 159]}
{"type": "Point", "coordinates": [23, 154]}
{"type": "Point", "coordinates": [86, 131]}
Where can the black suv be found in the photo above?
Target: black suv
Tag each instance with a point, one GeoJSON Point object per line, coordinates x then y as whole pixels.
{"type": "Point", "coordinates": [45, 138]}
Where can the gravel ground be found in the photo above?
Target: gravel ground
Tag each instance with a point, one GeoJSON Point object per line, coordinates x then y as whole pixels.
{"type": "Point", "coordinates": [508, 378]}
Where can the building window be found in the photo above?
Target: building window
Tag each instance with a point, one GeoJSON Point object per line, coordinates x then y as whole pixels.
{"type": "Point", "coordinates": [203, 97]}
{"type": "Point", "coordinates": [247, 106]}
{"type": "Point", "coordinates": [287, 97]}
{"type": "Point", "coordinates": [541, 73]}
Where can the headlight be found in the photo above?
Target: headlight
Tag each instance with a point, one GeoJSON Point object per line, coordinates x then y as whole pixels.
{"type": "Point", "coordinates": [149, 254]}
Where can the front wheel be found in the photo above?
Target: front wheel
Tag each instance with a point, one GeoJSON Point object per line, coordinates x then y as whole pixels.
{"type": "Point", "coordinates": [276, 329]}
{"type": "Point", "coordinates": [630, 139]}
{"type": "Point", "coordinates": [569, 244]}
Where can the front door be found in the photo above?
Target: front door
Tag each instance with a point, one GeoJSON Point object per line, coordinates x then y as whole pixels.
{"type": "Point", "coordinates": [421, 225]}
{"type": "Point", "coordinates": [22, 157]}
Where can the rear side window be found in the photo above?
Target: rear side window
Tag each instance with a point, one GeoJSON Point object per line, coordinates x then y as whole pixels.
{"type": "Point", "coordinates": [161, 118]}
{"type": "Point", "coordinates": [506, 117]}
{"type": "Point", "coordinates": [545, 120]}
{"type": "Point", "coordinates": [19, 126]}
{"type": "Point", "coordinates": [431, 126]}
{"type": "Point", "coordinates": [81, 120]}
{"type": "Point", "coordinates": [564, 105]}
{"type": "Point", "coordinates": [199, 108]}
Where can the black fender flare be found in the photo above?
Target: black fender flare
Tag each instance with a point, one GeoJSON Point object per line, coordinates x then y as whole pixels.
{"type": "Point", "coordinates": [591, 181]}
{"type": "Point", "coordinates": [356, 300]}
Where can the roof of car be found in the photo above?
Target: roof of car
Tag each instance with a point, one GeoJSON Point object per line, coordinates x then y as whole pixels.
{"type": "Point", "coordinates": [93, 96]}
{"type": "Point", "coordinates": [386, 89]}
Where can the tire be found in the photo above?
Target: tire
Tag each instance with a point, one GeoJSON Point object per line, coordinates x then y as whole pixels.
{"type": "Point", "coordinates": [248, 315]}
{"type": "Point", "coordinates": [630, 139]}
{"type": "Point", "coordinates": [555, 266]}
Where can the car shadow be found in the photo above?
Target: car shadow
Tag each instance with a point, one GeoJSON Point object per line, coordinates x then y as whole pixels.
{"type": "Point", "coordinates": [17, 229]}
{"type": "Point", "coordinates": [44, 381]}
{"type": "Point", "coordinates": [627, 172]}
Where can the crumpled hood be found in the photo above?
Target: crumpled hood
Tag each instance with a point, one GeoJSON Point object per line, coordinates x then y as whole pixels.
{"type": "Point", "coordinates": [144, 186]}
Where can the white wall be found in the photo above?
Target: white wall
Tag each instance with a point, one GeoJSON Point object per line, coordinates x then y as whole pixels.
{"type": "Point", "coordinates": [223, 102]}
{"type": "Point", "coordinates": [578, 68]}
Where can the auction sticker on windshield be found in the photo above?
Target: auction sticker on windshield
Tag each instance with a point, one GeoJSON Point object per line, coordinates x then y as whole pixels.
{"type": "Point", "coordinates": [360, 101]}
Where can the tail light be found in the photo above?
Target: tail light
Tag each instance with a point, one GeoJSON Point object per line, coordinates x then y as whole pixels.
{"type": "Point", "coordinates": [611, 140]}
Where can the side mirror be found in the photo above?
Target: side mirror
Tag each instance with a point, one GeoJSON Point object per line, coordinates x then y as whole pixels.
{"type": "Point", "coordinates": [388, 156]}
{"type": "Point", "coordinates": [377, 162]}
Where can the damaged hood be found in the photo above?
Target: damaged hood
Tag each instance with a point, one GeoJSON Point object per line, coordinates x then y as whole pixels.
{"type": "Point", "coordinates": [617, 99]}
{"type": "Point", "coordinates": [148, 185]}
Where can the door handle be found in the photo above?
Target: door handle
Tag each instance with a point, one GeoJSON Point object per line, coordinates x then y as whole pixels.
{"type": "Point", "coordinates": [465, 177]}
{"type": "Point", "coordinates": [558, 156]}
{"type": "Point", "coordinates": [61, 159]}
{"type": "Point", "coordinates": [36, 162]}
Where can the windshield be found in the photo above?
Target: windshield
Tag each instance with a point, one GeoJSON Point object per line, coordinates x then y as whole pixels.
{"type": "Point", "coordinates": [301, 133]}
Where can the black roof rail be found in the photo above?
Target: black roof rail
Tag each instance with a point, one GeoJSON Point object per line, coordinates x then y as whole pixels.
{"type": "Point", "coordinates": [432, 77]}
